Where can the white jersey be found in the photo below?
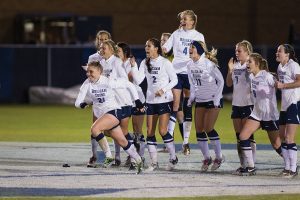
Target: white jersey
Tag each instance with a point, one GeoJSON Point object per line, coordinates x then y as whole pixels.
{"type": "Point", "coordinates": [241, 86]}
{"type": "Point", "coordinates": [95, 57]}
{"type": "Point", "coordinates": [206, 81]}
{"type": "Point", "coordinates": [113, 69]}
{"type": "Point", "coordinates": [287, 74]}
{"type": "Point", "coordinates": [102, 94]}
{"type": "Point", "coordinates": [162, 76]}
{"type": "Point", "coordinates": [264, 93]}
{"type": "Point", "coordinates": [127, 67]}
{"type": "Point", "coordinates": [180, 41]}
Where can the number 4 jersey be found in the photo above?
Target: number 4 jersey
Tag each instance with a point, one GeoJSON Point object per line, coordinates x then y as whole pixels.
{"type": "Point", "coordinates": [180, 41]}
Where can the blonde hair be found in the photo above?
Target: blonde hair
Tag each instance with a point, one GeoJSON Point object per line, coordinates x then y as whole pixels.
{"type": "Point", "coordinates": [260, 61]}
{"type": "Point", "coordinates": [246, 45]}
{"type": "Point", "coordinates": [190, 13]}
{"type": "Point", "coordinates": [112, 45]}
{"type": "Point", "coordinates": [102, 32]}
{"type": "Point", "coordinates": [166, 34]}
{"type": "Point", "coordinates": [96, 64]}
{"type": "Point", "coordinates": [211, 55]}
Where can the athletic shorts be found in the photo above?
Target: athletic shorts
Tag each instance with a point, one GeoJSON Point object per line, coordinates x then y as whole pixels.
{"type": "Point", "coordinates": [159, 108]}
{"type": "Point", "coordinates": [125, 112]}
{"type": "Point", "coordinates": [241, 112]}
{"type": "Point", "coordinates": [268, 125]}
{"type": "Point", "coordinates": [291, 115]}
{"type": "Point", "coordinates": [116, 113]}
{"type": "Point", "coordinates": [208, 104]}
{"type": "Point", "coordinates": [183, 82]}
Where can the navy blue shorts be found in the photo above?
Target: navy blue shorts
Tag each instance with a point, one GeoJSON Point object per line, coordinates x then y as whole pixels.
{"type": "Point", "coordinates": [158, 109]}
{"type": "Point", "coordinates": [268, 125]}
{"type": "Point", "coordinates": [208, 104]}
{"type": "Point", "coordinates": [183, 82]}
{"type": "Point", "coordinates": [116, 113]}
{"type": "Point", "coordinates": [125, 112]}
{"type": "Point", "coordinates": [241, 112]}
{"type": "Point", "coordinates": [291, 115]}
{"type": "Point", "coordinates": [136, 112]}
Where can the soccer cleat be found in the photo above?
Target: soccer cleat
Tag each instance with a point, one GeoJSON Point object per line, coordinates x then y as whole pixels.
{"type": "Point", "coordinates": [206, 164]}
{"type": "Point", "coordinates": [139, 167]}
{"type": "Point", "coordinates": [248, 171]}
{"type": "Point", "coordinates": [171, 164]}
{"type": "Point", "coordinates": [217, 163]}
{"type": "Point", "coordinates": [127, 162]}
{"type": "Point", "coordinates": [186, 149]}
{"type": "Point", "coordinates": [92, 162]}
{"type": "Point", "coordinates": [239, 170]}
{"type": "Point", "coordinates": [132, 166]}
{"type": "Point", "coordinates": [292, 174]}
{"type": "Point", "coordinates": [108, 162]}
{"type": "Point", "coordinates": [152, 167]}
{"type": "Point", "coordinates": [117, 163]}
{"type": "Point", "coordinates": [284, 173]}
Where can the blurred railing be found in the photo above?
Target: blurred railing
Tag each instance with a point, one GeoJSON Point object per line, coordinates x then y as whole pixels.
{"type": "Point", "coordinates": [22, 66]}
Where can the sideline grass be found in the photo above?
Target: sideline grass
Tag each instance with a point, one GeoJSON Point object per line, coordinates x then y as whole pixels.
{"type": "Point", "coordinates": [256, 197]}
{"type": "Point", "coordinates": [56, 123]}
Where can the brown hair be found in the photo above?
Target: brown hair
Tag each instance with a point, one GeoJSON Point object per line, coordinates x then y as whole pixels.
{"type": "Point", "coordinates": [96, 64]}
{"type": "Point", "coordinates": [260, 61]}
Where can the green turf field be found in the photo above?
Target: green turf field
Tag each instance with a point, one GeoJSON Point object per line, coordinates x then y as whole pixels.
{"type": "Point", "coordinates": [56, 123]}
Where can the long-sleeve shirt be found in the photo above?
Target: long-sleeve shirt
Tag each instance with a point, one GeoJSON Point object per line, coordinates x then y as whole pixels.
{"type": "Point", "coordinates": [287, 74]}
{"type": "Point", "coordinates": [162, 76]}
{"type": "Point", "coordinates": [206, 81]}
{"type": "Point", "coordinates": [180, 41]}
{"type": "Point", "coordinates": [264, 93]}
{"type": "Point", "coordinates": [102, 94]}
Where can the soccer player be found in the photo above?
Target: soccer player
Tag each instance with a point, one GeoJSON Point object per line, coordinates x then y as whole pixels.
{"type": "Point", "coordinates": [264, 114]}
{"type": "Point", "coordinates": [207, 85]}
{"type": "Point", "coordinates": [161, 79]}
{"type": "Point", "coordinates": [289, 83]}
{"type": "Point", "coordinates": [124, 53]}
{"type": "Point", "coordinates": [101, 36]}
{"type": "Point", "coordinates": [180, 41]}
{"type": "Point", "coordinates": [242, 103]}
{"type": "Point", "coordinates": [170, 56]}
{"type": "Point", "coordinates": [113, 68]}
{"type": "Point", "coordinates": [100, 90]}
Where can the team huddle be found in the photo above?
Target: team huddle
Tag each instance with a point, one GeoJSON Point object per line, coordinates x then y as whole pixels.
{"type": "Point", "coordinates": [177, 73]}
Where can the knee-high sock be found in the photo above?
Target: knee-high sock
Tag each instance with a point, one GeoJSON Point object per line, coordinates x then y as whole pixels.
{"type": "Point", "coordinates": [203, 144]}
{"type": "Point", "coordinates": [152, 148]}
{"type": "Point", "coordinates": [285, 155]}
{"type": "Point", "coordinates": [117, 151]}
{"type": "Point", "coordinates": [181, 129]}
{"type": "Point", "coordinates": [292, 149]}
{"type": "Point", "coordinates": [131, 151]}
{"type": "Point", "coordinates": [169, 142]}
{"type": "Point", "coordinates": [247, 152]}
{"type": "Point", "coordinates": [253, 147]}
{"type": "Point", "coordinates": [215, 142]}
{"type": "Point", "coordinates": [142, 145]}
{"type": "Point", "coordinates": [94, 144]}
{"type": "Point", "coordinates": [172, 122]}
{"type": "Point", "coordinates": [187, 124]}
{"type": "Point", "coordinates": [102, 141]}
{"type": "Point", "coordinates": [239, 150]}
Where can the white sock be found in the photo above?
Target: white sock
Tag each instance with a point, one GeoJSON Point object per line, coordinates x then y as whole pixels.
{"type": "Point", "coordinates": [253, 147]}
{"type": "Point", "coordinates": [117, 151]}
{"type": "Point", "coordinates": [133, 154]}
{"type": "Point", "coordinates": [248, 156]}
{"type": "Point", "coordinates": [105, 147]}
{"type": "Point", "coordinates": [187, 126]}
{"type": "Point", "coordinates": [217, 148]}
{"type": "Point", "coordinates": [286, 157]}
{"type": "Point", "coordinates": [171, 149]}
{"type": "Point", "coordinates": [94, 144]}
{"type": "Point", "coordinates": [293, 158]}
{"type": "Point", "coordinates": [153, 153]}
{"type": "Point", "coordinates": [171, 125]}
{"type": "Point", "coordinates": [142, 145]}
{"type": "Point", "coordinates": [204, 148]}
